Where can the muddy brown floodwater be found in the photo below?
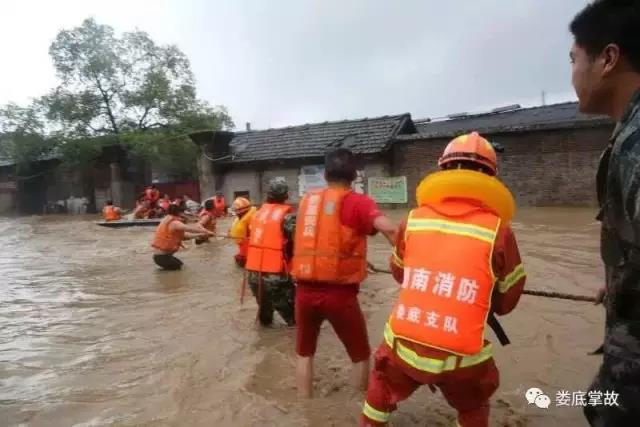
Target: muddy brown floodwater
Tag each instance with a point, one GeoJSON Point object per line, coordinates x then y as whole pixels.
{"type": "Point", "coordinates": [91, 333]}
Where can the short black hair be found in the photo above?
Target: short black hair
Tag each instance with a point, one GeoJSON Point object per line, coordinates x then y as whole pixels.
{"type": "Point", "coordinates": [109, 202]}
{"type": "Point", "coordinates": [340, 165]}
{"type": "Point", "coordinates": [609, 21]}
{"type": "Point", "coordinates": [208, 204]}
{"type": "Point", "coordinates": [175, 209]}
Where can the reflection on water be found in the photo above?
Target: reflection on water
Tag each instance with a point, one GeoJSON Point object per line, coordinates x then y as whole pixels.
{"type": "Point", "coordinates": [93, 334]}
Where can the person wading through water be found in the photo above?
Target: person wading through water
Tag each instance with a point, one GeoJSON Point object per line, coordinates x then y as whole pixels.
{"type": "Point", "coordinates": [605, 60]}
{"type": "Point", "coordinates": [169, 236]}
{"type": "Point", "coordinates": [456, 261]}
{"type": "Point", "coordinates": [270, 251]}
{"type": "Point", "coordinates": [330, 262]}
{"type": "Point", "coordinates": [207, 220]}
{"type": "Point", "coordinates": [240, 228]}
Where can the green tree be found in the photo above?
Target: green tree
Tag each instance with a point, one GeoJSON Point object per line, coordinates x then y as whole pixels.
{"type": "Point", "coordinates": [128, 90]}
{"type": "Point", "coordinates": [22, 134]}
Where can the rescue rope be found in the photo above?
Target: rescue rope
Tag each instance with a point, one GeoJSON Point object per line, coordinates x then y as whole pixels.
{"type": "Point", "coordinates": [537, 293]}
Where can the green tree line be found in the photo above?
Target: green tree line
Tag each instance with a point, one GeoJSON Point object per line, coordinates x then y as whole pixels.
{"type": "Point", "coordinates": [112, 89]}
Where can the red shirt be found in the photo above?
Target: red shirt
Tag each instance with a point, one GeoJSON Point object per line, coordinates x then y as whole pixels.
{"type": "Point", "coordinates": [358, 212]}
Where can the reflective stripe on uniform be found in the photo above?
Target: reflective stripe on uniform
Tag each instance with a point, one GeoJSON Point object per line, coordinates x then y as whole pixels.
{"type": "Point", "coordinates": [375, 415]}
{"type": "Point", "coordinates": [428, 364]}
{"type": "Point", "coordinates": [511, 279]}
{"type": "Point", "coordinates": [469, 230]}
{"type": "Point", "coordinates": [396, 259]}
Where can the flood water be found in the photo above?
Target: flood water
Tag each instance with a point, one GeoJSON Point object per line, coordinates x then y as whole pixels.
{"type": "Point", "coordinates": [91, 333]}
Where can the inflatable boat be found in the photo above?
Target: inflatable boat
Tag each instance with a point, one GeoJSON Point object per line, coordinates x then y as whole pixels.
{"type": "Point", "coordinates": [122, 223]}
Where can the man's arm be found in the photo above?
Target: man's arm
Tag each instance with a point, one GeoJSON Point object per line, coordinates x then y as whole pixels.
{"type": "Point", "coordinates": [385, 226]}
{"type": "Point", "coordinates": [194, 228]}
{"type": "Point", "coordinates": [509, 271]}
{"type": "Point", "coordinates": [397, 257]}
{"type": "Point", "coordinates": [629, 177]}
{"type": "Point", "coordinates": [289, 232]}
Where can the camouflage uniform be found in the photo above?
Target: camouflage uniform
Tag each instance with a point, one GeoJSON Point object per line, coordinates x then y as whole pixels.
{"type": "Point", "coordinates": [618, 185]}
{"type": "Point", "coordinates": [278, 291]}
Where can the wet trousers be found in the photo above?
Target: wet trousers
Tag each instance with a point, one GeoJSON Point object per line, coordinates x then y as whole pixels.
{"type": "Point", "coordinates": [621, 376]}
{"type": "Point", "coordinates": [466, 389]}
{"type": "Point", "coordinates": [167, 262]}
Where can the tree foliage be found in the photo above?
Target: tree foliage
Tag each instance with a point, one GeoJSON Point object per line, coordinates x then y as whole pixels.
{"type": "Point", "coordinates": [22, 134]}
{"type": "Point", "coordinates": [118, 89]}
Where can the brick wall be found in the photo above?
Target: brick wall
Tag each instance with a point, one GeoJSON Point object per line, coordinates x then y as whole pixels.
{"type": "Point", "coordinates": [542, 168]}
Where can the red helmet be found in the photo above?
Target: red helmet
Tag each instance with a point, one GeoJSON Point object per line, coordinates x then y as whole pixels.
{"type": "Point", "coordinates": [470, 147]}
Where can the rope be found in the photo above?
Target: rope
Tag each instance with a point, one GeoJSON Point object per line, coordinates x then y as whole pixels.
{"type": "Point", "coordinates": [533, 292]}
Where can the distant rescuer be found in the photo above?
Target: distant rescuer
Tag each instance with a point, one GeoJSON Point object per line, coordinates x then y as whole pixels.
{"type": "Point", "coordinates": [110, 212]}
{"type": "Point", "coordinates": [605, 60]}
{"type": "Point", "coordinates": [269, 254]}
{"type": "Point", "coordinates": [169, 236]}
{"type": "Point", "coordinates": [456, 260]}
{"type": "Point", "coordinates": [330, 262]}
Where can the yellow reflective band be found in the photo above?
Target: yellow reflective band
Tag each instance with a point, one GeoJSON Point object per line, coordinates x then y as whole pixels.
{"type": "Point", "coordinates": [450, 227]}
{"type": "Point", "coordinates": [396, 259]}
{"type": "Point", "coordinates": [375, 415]}
{"type": "Point", "coordinates": [511, 279]}
{"type": "Point", "coordinates": [434, 366]}
{"type": "Point", "coordinates": [476, 359]}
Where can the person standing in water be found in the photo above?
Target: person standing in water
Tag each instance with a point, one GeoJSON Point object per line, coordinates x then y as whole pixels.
{"type": "Point", "coordinates": [605, 59]}
{"type": "Point", "coordinates": [207, 220]}
{"type": "Point", "coordinates": [330, 262]}
{"type": "Point", "coordinates": [169, 236]}
{"type": "Point", "coordinates": [456, 260]}
{"type": "Point", "coordinates": [269, 255]}
{"type": "Point", "coordinates": [240, 228]}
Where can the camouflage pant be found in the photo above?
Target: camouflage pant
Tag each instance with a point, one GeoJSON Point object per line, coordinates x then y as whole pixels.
{"type": "Point", "coordinates": [278, 293]}
{"type": "Point", "coordinates": [623, 377]}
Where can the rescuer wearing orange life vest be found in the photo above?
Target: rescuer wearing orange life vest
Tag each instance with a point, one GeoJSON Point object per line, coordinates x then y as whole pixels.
{"type": "Point", "coordinates": [169, 236]}
{"type": "Point", "coordinates": [457, 261]}
{"type": "Point", "coordinates": [330, 262]}
{"type": "Point", "coordinates": [240, 228]}
{"type": "Point", "coordinates": [207, 220]}
{"type": "Point", "coordinates": [269, 254]}
{"type": "Point", "coordinates": [110, 212]}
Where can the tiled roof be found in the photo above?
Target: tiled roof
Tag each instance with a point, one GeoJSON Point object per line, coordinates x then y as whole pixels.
{"type": "Point", "coordinates": [364, 136]}
{"type": "Point", "coordinates": [556, 116]}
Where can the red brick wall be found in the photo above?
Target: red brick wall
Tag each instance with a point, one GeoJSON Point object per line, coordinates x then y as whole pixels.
{"type": "Point", "coordinates": [542, 168]}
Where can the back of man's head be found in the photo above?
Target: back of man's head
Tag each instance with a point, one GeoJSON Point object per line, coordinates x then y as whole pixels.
{"type": "Point", "coordinates": [604, 22]}
{"type": "Point", "coordinates": [340, 166]}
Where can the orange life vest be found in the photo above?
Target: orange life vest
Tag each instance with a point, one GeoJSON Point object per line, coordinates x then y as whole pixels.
{"type": "Point", "coordinates": [325, 250]}
{"type": "Point", "coordinates": [448, 278]}
{"type": "Point", "coordinates": [165, 239]}
{"type": "Point", "coordinates": [266, 241]}
{"type": "Point", "coordinates": [211, 224]}
{"type": "Point", "coordinates": [110, 213]}
{"type": "Point", "coordinates": [219, 205]}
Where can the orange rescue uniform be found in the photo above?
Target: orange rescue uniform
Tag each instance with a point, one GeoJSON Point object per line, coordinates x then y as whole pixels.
{"type": "Point", "coordinates": [455, 262]}
{"type": "Point", "coordinates": [167, 240]}
{"type": "Point", "coordinates": [211, 221]}
{"type": "Point", "coordinates": [111, 213]}
{"type": "Point", "coordinates": [265, 252]}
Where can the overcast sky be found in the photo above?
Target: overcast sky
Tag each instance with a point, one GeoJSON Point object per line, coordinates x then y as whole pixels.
{"type": "Point", "coordinates": [284, 62]}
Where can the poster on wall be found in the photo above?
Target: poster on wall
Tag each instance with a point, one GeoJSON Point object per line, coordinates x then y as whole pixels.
{"type": "Point", "coordinates": [388, 189]}
{"type": "Point", "coordinates": [312, 177]}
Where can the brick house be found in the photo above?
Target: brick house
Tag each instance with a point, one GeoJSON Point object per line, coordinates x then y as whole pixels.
{"type": "Point", "coordinates": [550, 158]}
